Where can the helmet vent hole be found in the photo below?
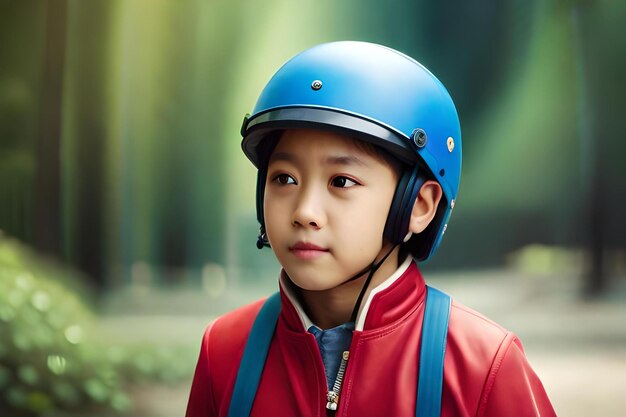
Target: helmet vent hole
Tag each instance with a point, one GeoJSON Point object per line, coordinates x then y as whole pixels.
{"type": "Point", "coordinates": [442, 172]}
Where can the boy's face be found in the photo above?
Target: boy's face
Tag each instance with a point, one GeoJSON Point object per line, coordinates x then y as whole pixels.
{"type": "Point", "coordinates": [326, 204]}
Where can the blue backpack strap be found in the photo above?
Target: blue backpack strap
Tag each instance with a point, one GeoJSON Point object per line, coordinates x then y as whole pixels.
{"type": "Point", "coordinates": [254, 355]}
{"type": "Point", "coordinates": [432, 352]}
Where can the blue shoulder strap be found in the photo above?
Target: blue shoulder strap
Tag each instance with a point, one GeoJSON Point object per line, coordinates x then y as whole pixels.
{"type": "Point", "coordinates": [254, 355]}
{"type": "Point", "coordinates": [432, 352]}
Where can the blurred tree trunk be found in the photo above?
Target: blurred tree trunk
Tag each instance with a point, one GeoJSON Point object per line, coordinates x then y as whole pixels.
{"type": "Point", "coordinates": [47, 221]}
{"type": "Point", "coordinates": [85, 106]}
{"type": "Point", "coordinates": [591, 145]}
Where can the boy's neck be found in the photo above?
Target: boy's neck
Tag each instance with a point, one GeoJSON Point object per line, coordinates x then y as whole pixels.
{"type": "Point", "coordinates": [333, 307]}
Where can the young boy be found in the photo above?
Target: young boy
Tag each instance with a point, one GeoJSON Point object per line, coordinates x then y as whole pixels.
{"type": "Point", "coordinates": [358, 150]}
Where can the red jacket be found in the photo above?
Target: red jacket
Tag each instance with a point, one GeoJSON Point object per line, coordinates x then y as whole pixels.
{"type": "Point", "coordinates": [485, 370]}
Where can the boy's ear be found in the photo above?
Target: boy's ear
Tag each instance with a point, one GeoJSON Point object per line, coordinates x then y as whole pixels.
{"type": "Point", "coordinates": [425, 206]}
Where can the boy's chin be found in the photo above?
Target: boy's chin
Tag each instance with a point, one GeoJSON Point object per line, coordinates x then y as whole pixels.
{"type": "Point", "coordinates": [313, 283]}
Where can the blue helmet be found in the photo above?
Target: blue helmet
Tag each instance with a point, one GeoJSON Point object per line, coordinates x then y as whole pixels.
{"type": "Point", "coordinates": [376, 94]}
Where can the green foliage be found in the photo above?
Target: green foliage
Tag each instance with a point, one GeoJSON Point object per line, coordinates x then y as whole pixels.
{"type": "Point", "coordinates": [48, 360]}
{"type": "Point", "coordinates": [46, 363]}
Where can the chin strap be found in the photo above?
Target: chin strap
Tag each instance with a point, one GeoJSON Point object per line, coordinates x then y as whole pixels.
{"type": "Point", "coordinates": [372, 268]}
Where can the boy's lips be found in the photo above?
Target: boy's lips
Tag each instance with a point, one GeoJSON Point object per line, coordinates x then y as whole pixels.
{"type": "Point", "coordinates": [306, 250]}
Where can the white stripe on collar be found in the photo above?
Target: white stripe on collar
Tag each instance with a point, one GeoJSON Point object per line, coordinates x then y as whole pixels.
{"type": "Point", "coordinates": [360, 321]}
{"type": "Point", "coordinates": [360, 318]}
{"type": "Point", "coordinates": [286, 286]}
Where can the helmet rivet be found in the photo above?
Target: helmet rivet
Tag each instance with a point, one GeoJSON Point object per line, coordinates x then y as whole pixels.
{"type": "Point", "coordinates": [419, 138]}
{"type": "Point", "coordinates": [452, 203]}
{"type": "Point", "coordinates": [450, 144]}
{"type": "Point", "coordinates": [445, 227]}
{"type": "Point", "coordinates": [316, 85]}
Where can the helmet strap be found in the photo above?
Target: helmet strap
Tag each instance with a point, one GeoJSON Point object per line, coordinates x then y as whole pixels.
{"type": "Point", "coordinates": [372, 268]}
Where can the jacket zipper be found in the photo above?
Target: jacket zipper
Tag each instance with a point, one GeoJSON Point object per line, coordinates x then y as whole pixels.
{"type": "Point", "coordinates": [332, 396]}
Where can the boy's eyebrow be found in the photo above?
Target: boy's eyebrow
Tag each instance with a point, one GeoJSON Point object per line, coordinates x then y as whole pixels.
{"type": "Point", "coordinates": [283, 156]}
{"type": "Point", "coordinates": [330, 160]}
{"type": "Point", "coordinates": [344, 160]}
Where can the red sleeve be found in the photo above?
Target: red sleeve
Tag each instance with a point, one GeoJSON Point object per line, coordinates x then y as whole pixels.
{"type": "Point", "coordinates": [201, 402]}
{"type": "Point", "coordinates": [513, 388]}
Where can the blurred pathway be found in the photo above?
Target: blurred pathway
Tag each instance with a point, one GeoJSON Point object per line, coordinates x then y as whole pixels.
{"type": "Point", "coordinates": [577, 347]}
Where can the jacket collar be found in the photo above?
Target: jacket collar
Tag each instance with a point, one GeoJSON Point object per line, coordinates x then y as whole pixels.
{"type": "Point", "coordinates": [388, 302]}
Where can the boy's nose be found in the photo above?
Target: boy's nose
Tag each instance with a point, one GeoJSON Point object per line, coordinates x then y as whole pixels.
{"type": "Point", "coordinates": [308, 212]}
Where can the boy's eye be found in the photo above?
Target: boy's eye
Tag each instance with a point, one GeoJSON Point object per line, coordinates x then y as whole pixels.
{"type": "Point", "coordinates": [342, 182]}
{"type": "Point", "coordinates": [284, 179]}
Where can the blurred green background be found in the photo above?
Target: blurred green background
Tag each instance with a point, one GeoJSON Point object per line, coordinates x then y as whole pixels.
{"type": "Point", "coordinates": [127, 206]}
